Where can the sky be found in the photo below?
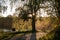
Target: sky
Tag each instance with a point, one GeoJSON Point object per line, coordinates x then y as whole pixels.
{"type": "Point", "coordinates": [8, 7]}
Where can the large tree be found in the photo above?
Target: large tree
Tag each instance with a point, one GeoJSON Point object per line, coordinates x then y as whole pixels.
{"type": "Point", "coordinates": [32, 7]}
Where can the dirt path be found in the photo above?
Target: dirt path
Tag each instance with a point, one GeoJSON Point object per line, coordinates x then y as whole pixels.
{"type": "Point", "coordinates": [30, 36]}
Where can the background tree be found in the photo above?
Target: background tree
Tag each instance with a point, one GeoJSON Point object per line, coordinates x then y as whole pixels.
{"type": "Point", "coordinates": [57, 2]}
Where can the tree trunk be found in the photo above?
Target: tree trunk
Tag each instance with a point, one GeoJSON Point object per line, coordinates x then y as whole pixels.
{"type": "Point", "coordinates": [33, 23]}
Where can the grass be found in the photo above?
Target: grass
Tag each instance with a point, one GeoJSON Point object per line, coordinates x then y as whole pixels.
{"type": "Point", "coordinates": [53, 34]}
{"type": "Point", "coordinates": [23, 26]}
{"type": "Point", "coordinates": [7, 35]}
